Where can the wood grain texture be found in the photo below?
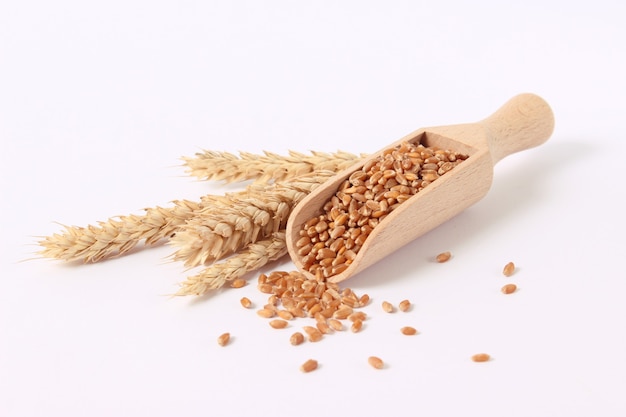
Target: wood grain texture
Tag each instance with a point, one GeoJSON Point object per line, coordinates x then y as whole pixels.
{"type": "Point", "coordinates": [523, 122]}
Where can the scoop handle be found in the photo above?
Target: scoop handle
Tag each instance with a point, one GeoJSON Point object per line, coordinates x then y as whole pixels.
{"type": "Point", "coordinates": [523, 122]}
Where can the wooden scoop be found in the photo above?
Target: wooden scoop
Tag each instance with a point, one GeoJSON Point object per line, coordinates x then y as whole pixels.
{"type": "Point", "coordinates": [523, 122]}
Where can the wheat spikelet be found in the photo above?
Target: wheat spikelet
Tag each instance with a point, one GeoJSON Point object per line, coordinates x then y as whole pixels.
{"type": "Point", "coordinates": [117, 235]}
{"type": "Point", "coordinates": [227, 167]}
{"type": "Point", "coordinates": [240, 219]}
{"type": "Point", "coordinates": [252, 257]}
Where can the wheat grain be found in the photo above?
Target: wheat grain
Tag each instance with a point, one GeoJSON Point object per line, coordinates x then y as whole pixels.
{"type": "Point", "coordinates": [245, 302]}
{"type": "Point", "coordinates": [266, 313]}
{"type": "Point", "coordinates": [309, 365]}
{"type": "Point", "coordinates": [238, 283]}
{"type": "Point", "coordinates": [508, 270]}
{"type": "Point", "coordinates": [408, 331]}
{"type": "Point", "coordinates": [278, 324]}
{"type": "Point", "coordinates": [296, 339]}
{"type": "Point", "coordinates": [376, 362]}
{"type": "Point", "coordinates": [118, 235]}
{"type": "Point", "coordinates": [223, 339]}
{"type": "Point", "coordinates": [405, 305]}
{"type": "Point", "coordinates": [227, 167]}
{"type": "Point", "coordinates": [387, 307]}
{"type": "Point", "coordinates": [356, 327]}
{"type": "Point", "coordinates": [481, 357]}
{"type": "Point", "coordinates": [253, 257]}
{"type": "Point", "coordinates": [443, 257]}
{"type": "Point", "coordinates": [509, 289]}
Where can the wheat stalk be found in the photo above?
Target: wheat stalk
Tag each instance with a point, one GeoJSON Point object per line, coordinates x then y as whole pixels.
{"type": "Point", "coordinates": [117, 235]}
{"type": "Point", "coordinates": [240, 219]}
{"type": "Point", "coordinates": [247, 227]}
{"type": "Point", "coordinates": [252, 257]}
{"type": "Point", "coordinates": [227, 167]}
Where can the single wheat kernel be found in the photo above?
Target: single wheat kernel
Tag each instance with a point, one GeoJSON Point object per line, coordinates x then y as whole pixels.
{"type": "Point", "coordinates": [223, 339]}
{"type": "Point", "coordinates": [408, 331]}
{"type": "Point", "coordinates": [316, 337]}
{"type": "Point", "coordinates": [444, 257]}
{"type": "Point", "coordinates": [357, 315]}
{"type": "Point", "coordinates": [279, 323]}
{"type": "Point", "coordinates": [376, 362]}
{"type": "Point", "coordinates": [238, 283]}
{"type": "Point", "coordinates": [315, 308]}
{"type": "Point", "coordinates": [309, 365]}
{"type": "Point", "coordinates": [266, 313]}
{"type": "Point", "coordinates": [356, 326]}
{"type": "Point", "coordinates": [245, 302]}
{"type": "Point", "coordinates": [296, 339]}
{"type": "Point", "coordinates": [508, 269]}
{"type": "Point", "coordinates": [364, 300]}
{"type": "Point", "coordinates": [350, 302]}
{"type": "Point", "coordinates": [285, 315]}
{"type": "Point", "coordinates": [404, 305]}
{"type": "Point", "coordinates": [335, 325]}
{"type": "Point", "coordinates": [323, 327]}
{"type": "Point", "coordinates": [387, 307]}
{"type": "Point", "coordinates": [509, 288]}
{"type": "Point", "coordinates": [481, 357]}
{"type": "Point", "coordinates": [342, 313]}
{"type": "Point", "coordinates": [328, 312]}
{"type": "Point", "coordinates": [266, 288]}
{"type": "Point", "coordinates": [319, 318]}
{"type": "Point", "coordinates": [297, 312]}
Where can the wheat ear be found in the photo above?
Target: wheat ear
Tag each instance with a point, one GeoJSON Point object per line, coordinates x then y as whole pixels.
{"type": "Point", "coordinates": [238, 219]}
{"type": "Point", "coordinates": [227, 167]}
{"type": "Point", "coordinates": [117, 235]}
{"type": "Point", "coordinates": [252, 257]}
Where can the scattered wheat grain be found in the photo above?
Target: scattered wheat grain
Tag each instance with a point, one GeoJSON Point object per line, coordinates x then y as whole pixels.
{"type": "Point", "coordinates": [266, 313]}
{"type": "Point", "coordinates": [387, 307]}
{"type": "Point", "coordinates": [509, 269]}
{"type": "Point", "coordinates": [343, 313]}
{"type": "Point", "coordinates": [443, 257]}
{"type": "Point", "coordinates": [223, 339]}
{"type": "Point", "coordinates": [238, 283]}
{"type": "Point", "coordinates": [404, 306]}
{"type": "Point", "coordinates": [265, 288]}
{"type": "Point", "coordinates": [481, 357]}
{"type": "Point", "coordinates": [408, 331]}
{"type": "Point", "coordinates": [376, 362]}
{"type": "Point", "coordinates": [357, 315]}
{"type": "Point", "coordinates": [364, 300]}
{"type": "Point", "coordinates": [296, 339]}
{"type": "Point", "coordinates": [323, 327]}
{"type": "Point", "coordinates": [285, 315]}
{"type": "Point", "coordinates": [245, 302]}
{"type": "Point", "coordinates": [356, 327]}
{"type": "Point", "coordinates": [335, 325]}
{"type": "Point", "coordinates": [279, 323]}
{"type": "Point", "coordinates": [509, 289]}
{"type": "Point", "coordinates": [309, 365]}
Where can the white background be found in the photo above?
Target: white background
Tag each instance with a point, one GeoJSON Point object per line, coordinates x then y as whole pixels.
{"type": "Point", "coordinates": [99, 100]}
